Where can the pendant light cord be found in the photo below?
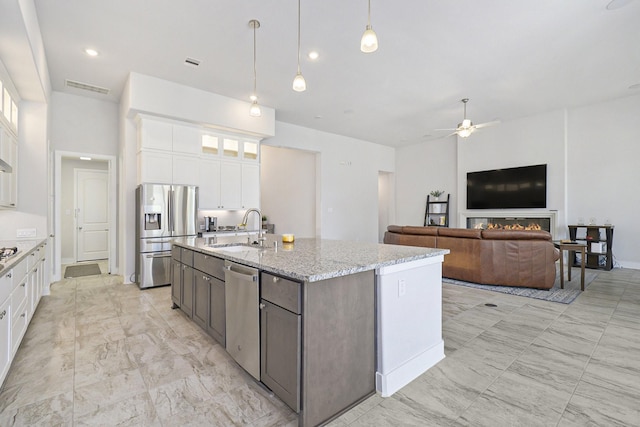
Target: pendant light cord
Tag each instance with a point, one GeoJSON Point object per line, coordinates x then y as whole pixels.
{"type": "Point", "coordinates": [298, 36]}
{"type": "Point", "coordinates": [369, 16]}
{"type": "Point", "coordinates": [255, 78]}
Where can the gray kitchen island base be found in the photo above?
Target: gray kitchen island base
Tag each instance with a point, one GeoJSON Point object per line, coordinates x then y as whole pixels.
{"type": "Point", "coordinates": [338, 345]}
{"type": "Point", "coordinates": [320, 350]}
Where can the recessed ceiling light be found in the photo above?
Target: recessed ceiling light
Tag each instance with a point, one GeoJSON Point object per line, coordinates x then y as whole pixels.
{"type": "Point", "coordinates": [317, 117]}
{"type": "Point", "coordinates": [313, 55]}
{"type": "Point", "coordinates": [635, 86]}
{"type": "Point", "coordinates": [91, 52]}
{"type": "Point", "coordinates": [85, 158]}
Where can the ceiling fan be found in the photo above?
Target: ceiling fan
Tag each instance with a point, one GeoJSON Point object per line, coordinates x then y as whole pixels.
{"type": "Point", "coordinates": [466, 127]}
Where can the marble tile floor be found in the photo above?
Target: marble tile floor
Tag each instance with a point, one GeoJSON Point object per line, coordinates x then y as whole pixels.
{"type": "Point", "coordinates": [99, 352]}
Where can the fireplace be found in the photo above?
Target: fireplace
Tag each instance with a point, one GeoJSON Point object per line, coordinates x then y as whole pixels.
{"type": "Point", "coordinates": [510, 220]}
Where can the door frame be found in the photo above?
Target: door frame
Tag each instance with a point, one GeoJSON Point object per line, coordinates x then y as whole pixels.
{"type": "Point", "coordinates": [75, 205]}
{"type": "Point", "coordinates": [112, 200]}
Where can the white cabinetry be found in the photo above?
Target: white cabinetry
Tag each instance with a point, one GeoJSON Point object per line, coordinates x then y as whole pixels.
{"type": "Point", "coordinates": [20, 290]}
{"type": "Point", "coordinates": [5, 338]}
{"type": "Point", "coordinates": [226, 168]}
{"type": "Point", "coordinates": [250, 186]}
{"type": "Point", "coordinates": [8, 181]}
{"type": "Point", "coordinates": [167, 153]}
{"type": "Point", "coordinates": [209, 184]}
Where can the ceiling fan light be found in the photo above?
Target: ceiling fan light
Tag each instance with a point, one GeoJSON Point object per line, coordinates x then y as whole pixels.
{"type": "Point", "coordinates": [299, 84]}
{"type": "Point", "coordinates": [369, 41]}
{"type": "Point", "coordinates": [466, 123]}
{"type": "Point", "coordinates": [464, 133]}
{"type": "Point", "coordinates": [255, 110]}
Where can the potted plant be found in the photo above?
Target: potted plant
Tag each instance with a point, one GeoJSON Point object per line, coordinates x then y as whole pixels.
{"type": "Point", "coordinates": [264, 219]}
{"type": "Point", "coordinates": [437, 207]}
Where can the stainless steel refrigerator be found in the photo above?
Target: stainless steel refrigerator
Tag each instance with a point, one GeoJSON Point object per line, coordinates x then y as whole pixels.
{"type": "Point", "coordinates": [163, 213]}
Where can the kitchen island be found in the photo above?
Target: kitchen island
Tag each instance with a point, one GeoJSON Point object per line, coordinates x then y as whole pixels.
{"type": "Point", "coordinates": [337, 320]}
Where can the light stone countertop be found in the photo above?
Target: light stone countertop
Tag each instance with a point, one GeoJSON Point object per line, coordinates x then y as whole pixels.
{"type": "Point", "coordinates": [25, 247]}
{"type": "Point", "coordinates": [310, 259]}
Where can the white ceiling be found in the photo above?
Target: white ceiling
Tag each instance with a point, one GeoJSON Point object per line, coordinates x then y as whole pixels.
{"type": "Point", "coordinates": [511, 58]}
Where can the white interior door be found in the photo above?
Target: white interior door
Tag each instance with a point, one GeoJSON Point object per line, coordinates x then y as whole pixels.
{"type": "Point", "coordinates": [92, 215]}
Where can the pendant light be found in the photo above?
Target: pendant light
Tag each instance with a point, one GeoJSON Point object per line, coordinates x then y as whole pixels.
{"type": "Point", "coordinates": [299, 85]}
{"type": "Point", "coordinates": [369, 41]}
{"type": "Point", "coordinates": [255, 110]}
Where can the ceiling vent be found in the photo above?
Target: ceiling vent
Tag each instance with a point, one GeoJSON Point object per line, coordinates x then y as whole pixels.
{"type": "Point", "coordinates": [191, 62]}
{"type": "Point", "coordinates": [86, 86]}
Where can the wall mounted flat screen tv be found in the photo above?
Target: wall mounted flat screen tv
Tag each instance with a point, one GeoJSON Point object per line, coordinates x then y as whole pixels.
{"type": "Point", "coordinates": [510, 188]}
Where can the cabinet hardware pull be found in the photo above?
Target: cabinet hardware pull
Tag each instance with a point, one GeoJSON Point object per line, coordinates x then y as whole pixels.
{"type": "Point", "coordinates": [23, 314]}
{"type": "Point", "coordinates": [4, 313]}
{"type": "Point", "coordinates": [23, 284]}
{"type": "Point", "coordinates": [262, 306]}
{"type": "Point", "coordinates": [276, 279]}
{"type": "Point", "coordinates": [9, 276]}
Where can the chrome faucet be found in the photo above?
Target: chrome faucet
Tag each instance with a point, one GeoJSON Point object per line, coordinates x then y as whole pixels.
{"type": "Point", "coordinates": [246, 218]}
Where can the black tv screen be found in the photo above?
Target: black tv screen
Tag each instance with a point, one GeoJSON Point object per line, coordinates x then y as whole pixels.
{"type": "Point", "coordinates": [510, 188]}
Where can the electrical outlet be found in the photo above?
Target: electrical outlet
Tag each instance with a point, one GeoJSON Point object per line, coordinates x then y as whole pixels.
{"type": "Point", "coordinates": [402, 287]}
{"type": "Point", "coordinates": [22, 233]}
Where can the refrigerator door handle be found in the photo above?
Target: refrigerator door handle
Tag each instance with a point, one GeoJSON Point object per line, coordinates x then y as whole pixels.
{"type": "Point", "coordinates": [170, 210]}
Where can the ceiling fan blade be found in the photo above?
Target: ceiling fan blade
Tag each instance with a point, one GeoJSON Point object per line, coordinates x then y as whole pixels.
{"type": "Point", "coordinates": [445, 129]}
{"type": "Point", "coordinates": [484, 125]}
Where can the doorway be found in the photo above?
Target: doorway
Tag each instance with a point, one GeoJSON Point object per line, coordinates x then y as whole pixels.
{"type": "Point", "coordinates": [84, 210]}
{"type": "Point", "coordinates": [91, 212]}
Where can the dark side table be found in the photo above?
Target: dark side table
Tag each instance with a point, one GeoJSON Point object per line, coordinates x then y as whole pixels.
{"type": "Point", "coordinates": [571, 248]}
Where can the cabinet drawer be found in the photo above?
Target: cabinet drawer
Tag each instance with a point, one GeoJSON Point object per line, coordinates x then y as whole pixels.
{"type": "Point", "coordinates": [176, 251]}
{"type": "Point", "coordinates": [6, 285]}
{"type": "Point", "coordinates": [282, 292]}
{"type": "Point", "coordinates": [186, 256]}
{"type": "Point", "coordinates": [18, 326]}
{"type": "Point", "coordinates": [19, 294]}
{"type": "Point", "coordinates": [209, 264]}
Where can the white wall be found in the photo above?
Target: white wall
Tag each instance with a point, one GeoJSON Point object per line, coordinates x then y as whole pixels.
{"type": "Point", "coordinates": [421, 169]}
{"type": "Point", "coordinates": [67, 203]}
{"type": "Point", "coordinates": [32, 208]}
{"type": "Point", "coordinates": [346, 178]}
{"type": "Point", "coordinates": [288, 190]}
{"type": "Point", "coordinates": [83, 125]}
{"type": "Point", "coordinates": [603, 178]}
{"type": "Point", "coordinates": [591, 154]}
{"type": "Point", "coordinates": [529, 141]}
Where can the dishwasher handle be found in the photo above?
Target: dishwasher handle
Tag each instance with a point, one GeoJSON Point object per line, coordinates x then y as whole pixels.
{"type": "Point", "coordinates": [242, 275]}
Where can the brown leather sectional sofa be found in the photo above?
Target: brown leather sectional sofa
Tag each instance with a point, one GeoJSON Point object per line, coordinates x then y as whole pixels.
{"type": "Point", "coordinates": [491, 257]}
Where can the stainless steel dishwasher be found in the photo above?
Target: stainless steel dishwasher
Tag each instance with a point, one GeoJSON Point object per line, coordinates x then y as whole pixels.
{"type": "Point", "coordinates": [243, 314]}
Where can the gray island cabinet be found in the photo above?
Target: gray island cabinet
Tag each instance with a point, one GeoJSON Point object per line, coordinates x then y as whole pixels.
{"type": "Point", "coordinates": [327, 313]}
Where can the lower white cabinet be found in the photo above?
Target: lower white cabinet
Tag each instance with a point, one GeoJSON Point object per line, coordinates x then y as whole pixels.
{"type": "Point", "coordinates": [5, 338]}
{"type": "Point", "coordinates": [22, 286]}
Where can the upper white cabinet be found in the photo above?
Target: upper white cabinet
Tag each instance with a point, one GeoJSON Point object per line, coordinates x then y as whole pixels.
{"type": "Point", "coordinates": [186, 139]}
{"type": "Point", "coordinates": [225, 166]}
{"type": "Point", "coordinates": [8, 180]}
{"type": "Point", "coordinates": [155, 135]}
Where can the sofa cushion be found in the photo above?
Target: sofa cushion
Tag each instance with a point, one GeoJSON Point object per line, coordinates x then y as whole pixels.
{"type": "Point", "coordinates": [412, 229]}
{"type": "Point", "coordinates": [464, 233]}
{"type": "Point", "coordinates": [410, 239]}
{"type": "Point", "coordinates": [516, 235]}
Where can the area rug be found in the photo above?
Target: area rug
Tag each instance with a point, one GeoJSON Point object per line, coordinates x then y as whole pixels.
{"type": "Point", "coordinates": [81, 270]}
{"type": "Point", "coordinates": [555, 294]}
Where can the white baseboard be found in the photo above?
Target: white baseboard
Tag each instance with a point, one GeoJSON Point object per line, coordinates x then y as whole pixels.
{"type": "Point", "coordinates": [389, 383]}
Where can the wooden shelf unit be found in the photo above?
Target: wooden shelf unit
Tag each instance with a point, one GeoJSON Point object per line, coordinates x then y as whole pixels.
{"type": "Point", "coordinates": [437, 219]}
{"type": "Point", "coordinates": [593, 235]}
